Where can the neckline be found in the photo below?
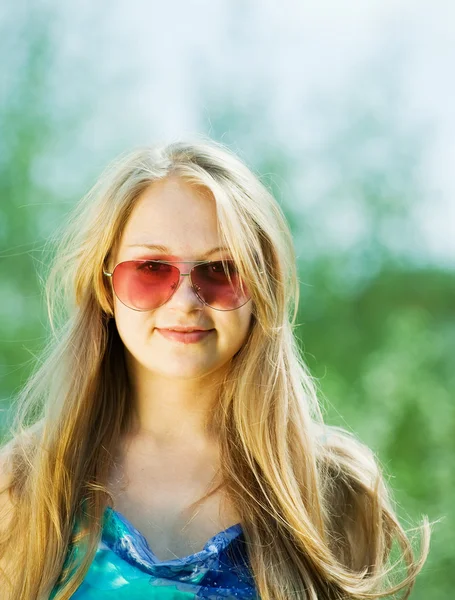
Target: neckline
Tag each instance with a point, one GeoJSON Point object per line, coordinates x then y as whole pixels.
{"type": "Point", "coordinates": [138, 549]}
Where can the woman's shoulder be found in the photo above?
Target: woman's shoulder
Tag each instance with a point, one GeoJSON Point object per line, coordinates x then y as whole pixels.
{"type": "Point", "coordinates": [14, 457]}
{"type": "Point", "coordinates": [336, 439]}
{"type": "Point", "coordinates": [348, 462]}
{"type": "Point", "coordinates": [6, 479]}
{"type": "Point", "coordinates": [6, 504]}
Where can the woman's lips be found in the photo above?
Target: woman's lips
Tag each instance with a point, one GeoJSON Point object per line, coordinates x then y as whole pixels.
{"type": "Point", "coordinates": [185, 337]}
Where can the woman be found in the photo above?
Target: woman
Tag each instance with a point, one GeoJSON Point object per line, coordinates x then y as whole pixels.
{"type": "Point", "coordinates": [170, 443]}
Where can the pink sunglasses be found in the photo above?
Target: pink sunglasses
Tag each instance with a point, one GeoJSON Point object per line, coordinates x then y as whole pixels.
{"type": "Point", "coordinates": [147, 284]}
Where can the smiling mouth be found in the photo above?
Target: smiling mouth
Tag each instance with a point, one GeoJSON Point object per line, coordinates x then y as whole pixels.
{"type": "Point", "coordinates": [183, 329]}
{"type": "Point", "coordinates": [186, 336]}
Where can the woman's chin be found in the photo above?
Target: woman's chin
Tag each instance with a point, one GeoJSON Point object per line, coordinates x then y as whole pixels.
{"type": "Point", "coordinates": [184, 369]}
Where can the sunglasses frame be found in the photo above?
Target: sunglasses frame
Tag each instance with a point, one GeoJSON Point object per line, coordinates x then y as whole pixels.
{"type": "Point", "coordinates": [195, 288]}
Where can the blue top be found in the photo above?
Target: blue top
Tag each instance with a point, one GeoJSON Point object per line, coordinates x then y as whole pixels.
{"type": "Point", "coordinates": [124, 566]}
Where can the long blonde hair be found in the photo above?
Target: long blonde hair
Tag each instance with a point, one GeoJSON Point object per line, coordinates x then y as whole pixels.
{"type": "Point", "coordinates": [315, 508]}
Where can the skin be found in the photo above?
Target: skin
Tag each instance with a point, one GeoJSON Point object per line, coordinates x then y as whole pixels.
{"type": "Point", "coordinates": [175, 384]}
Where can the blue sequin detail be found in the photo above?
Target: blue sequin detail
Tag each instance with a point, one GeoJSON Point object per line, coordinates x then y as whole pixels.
{"type": "Point", "coordinates": [125, 567]}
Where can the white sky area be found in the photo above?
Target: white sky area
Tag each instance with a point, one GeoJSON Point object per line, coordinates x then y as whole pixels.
{"type": "Point", "coordinates": [289, 52]}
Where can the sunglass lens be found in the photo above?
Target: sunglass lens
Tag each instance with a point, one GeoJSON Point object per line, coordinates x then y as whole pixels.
{"type": "Point", "coordinates": [220, 285]}
{"type": "Point", "coordinates": [144, 285]}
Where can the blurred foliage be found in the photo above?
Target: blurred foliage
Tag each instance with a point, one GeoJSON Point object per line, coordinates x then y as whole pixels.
{"type": "Point", "coordinates": [24, 205]}
{"type": "Point", "coordinates": [376, 321]}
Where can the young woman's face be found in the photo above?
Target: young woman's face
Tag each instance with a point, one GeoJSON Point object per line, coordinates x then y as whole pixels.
{"type": "Point", "coordinates": [174, 214]}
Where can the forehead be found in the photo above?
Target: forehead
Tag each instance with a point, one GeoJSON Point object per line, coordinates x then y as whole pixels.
{"type": "Point", "coordinates": [175, 214]}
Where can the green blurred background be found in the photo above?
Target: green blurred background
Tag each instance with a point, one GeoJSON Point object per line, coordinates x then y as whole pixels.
{"type": "Point", "coordinates": [343, 112]}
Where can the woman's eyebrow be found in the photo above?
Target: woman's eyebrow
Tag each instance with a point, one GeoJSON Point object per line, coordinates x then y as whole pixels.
{"type": "Point", "coordinates": [165, 250]}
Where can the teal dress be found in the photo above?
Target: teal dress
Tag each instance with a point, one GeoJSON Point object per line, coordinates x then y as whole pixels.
{"type": "Point", "coordinates": [124, 566]}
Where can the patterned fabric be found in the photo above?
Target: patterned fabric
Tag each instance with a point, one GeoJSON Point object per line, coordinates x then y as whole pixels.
{"type": "Point", "coordinates": [125, 567]}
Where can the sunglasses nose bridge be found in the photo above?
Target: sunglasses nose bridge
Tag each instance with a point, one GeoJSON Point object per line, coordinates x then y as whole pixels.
{"type": "Point", "coordinates": [192, 286]}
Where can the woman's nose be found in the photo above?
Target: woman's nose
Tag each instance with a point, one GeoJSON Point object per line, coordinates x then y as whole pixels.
{"type": "Point", "coordinates": [184, 293]}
